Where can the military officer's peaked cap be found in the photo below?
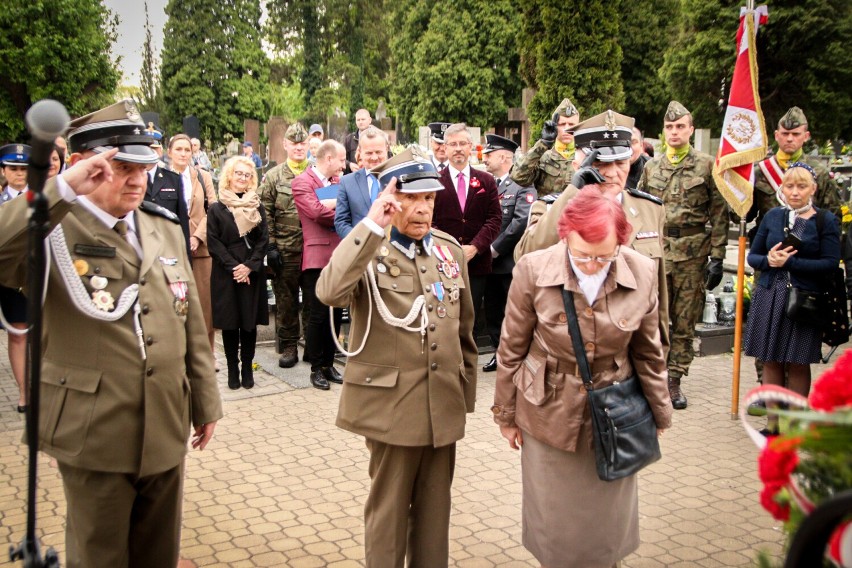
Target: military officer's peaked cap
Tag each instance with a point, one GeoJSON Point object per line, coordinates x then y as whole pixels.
{"type": "Point", "coordinates": [413, 170]}
{"type": "Point", "coordinates": [608, 132]}
{"type": "Point", "coordinates": [494, 142]}
{"type": "Point", "coordinates": [793, 118]}
{"type": "Point", "coordinates": [438, 129]}
{"type": "Point", "coordinates": [14, 155]}
{"type": "Point", "coordinates": [296, 133]}
{"type": "Point", "coordinates": [116, 126]}
{"type": "Point", "coordinates": [675, 111]}
{"type": "Point", "coordinates": [566, 108]}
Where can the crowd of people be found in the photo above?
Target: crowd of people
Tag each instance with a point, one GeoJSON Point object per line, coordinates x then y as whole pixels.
{"type": "Point", "coordinates": [419, 247]}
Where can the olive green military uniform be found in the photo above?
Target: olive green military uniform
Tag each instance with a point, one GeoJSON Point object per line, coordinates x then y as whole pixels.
{"type": "Point", "coordinates": [691, 201]}
{"type": "Point", "coordinates": [285, 232]}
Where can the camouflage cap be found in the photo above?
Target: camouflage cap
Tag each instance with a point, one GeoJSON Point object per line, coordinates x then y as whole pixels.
{"type": "Point", "coordinates": [675, 111]}
{"type": "Point", "coordinates": [566, 108]}
{"type": "Point", "coordinates": [296, 133]}
{"type": "Point", "coordinates": [793, 118]}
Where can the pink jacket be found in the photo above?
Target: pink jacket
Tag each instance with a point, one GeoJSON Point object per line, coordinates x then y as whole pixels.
{"type": "Point", "coordinates": [319, 236]}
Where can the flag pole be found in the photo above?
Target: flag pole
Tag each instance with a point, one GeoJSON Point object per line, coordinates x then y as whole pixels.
{"type": "Point", "coordinates": [738, 323]}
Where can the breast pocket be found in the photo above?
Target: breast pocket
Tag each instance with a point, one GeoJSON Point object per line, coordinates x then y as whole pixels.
{"type": "Point", "coordinates": [695, 191]}
{"type": "Point", "coordinates": [402, 284]}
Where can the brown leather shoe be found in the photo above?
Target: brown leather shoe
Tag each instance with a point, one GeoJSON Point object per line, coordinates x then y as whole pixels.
{"type": "Point", "coordinates": [678, 399]}
{"type": "Point", "coordinates": [289, 357]}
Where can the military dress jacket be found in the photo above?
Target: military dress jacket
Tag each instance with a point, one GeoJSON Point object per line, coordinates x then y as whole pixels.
{"type": "Point", "coordinates": [544, 168]}
{"type": "Point", "coordinates": [403, 388]}
{"type": "Point", "coordinates": [515, 202]}
{"type": "Point", "coordinates": [538, 386]}
{"type": "Point", "coordinates": [691, 200]}
{"type": "Point", "coordinates": [646, 216]}
{"type": "Point", "coordinates": [103, 407]}
{"type": "Point", "coordinates": [166, 190]}
{"type": "Point", "coordinates": [479, 224]}
{"type": "Point", "coordinates": [276, 194]}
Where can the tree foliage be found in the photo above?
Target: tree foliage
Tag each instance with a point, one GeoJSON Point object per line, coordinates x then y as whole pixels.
{"type": "Point", "coordinates": [150, 95]}
{"type": "Point", "coordinates": [57, 49]}
{"type": "Point", "coordinates": [443, 71]}
{"type": "Point", "coordinates": [576, 55]}
{"type": "Point", "coordinates": [214, 66]}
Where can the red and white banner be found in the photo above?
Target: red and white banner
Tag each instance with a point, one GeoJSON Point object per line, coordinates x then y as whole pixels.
{"type": "Point", "coordinates": [743, 139]}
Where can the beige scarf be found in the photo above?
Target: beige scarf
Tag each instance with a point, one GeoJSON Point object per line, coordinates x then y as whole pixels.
{"type": "Point", "coordinates": [244, 208]}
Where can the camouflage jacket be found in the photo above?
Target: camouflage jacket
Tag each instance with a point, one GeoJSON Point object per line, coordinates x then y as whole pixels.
{"type": "Point", "coordinates": [281, 215]}
{"type": "Point", "coordinates": [827, 194]}
{"type": "Point", "coordinates": [691, 201]}
{"type": "Point", "coordinates": [543, 168]}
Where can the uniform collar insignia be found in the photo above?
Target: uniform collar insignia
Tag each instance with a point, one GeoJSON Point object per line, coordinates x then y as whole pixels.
{"type": "Point", "coordinates": [408, 246]}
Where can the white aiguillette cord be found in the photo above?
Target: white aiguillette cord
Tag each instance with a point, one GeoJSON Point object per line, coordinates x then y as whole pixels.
{"type": "Point", "coordinates": [387, 317]}
{"type": "Point", "coordinates": [80, 297]}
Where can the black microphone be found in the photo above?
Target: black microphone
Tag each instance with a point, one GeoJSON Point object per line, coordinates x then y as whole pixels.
{"type": "Point", "coordinates": [45, 120]}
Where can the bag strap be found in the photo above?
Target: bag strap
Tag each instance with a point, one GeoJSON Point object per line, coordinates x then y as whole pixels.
{"type": "Point", "coordinates": [203, 189]}
{"type": "Point", "coordinates": [577, 339]}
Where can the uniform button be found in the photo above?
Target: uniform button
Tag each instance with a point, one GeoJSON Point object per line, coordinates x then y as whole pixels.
{"type": "Point", "coordinates": [562, 318]}
{"type": "Point", "coordinates": [142, 281]}
{"type": "Point", "coordinates": [422, 269]}
{"type": "Point", "coordinates": [97, 270]}
{"type": "Point", "coordinates": [357, 241]}
{"type": "Point", "coordinates": [368, 380]}
{"type": "Point", "coordinates": [417, 250]}
{"type": "Point", "coordinates": [427, 290]}
{"type": "Point", "coordinates": [430, 307]}
{"type": "Point", "coordinates": [590, 346]}
{"type": "Point", "coordinates": [433, 347]}
{"type": "Point", "coordinates": [149, 371]}
{"type": "Point", "coordinates": [622, 322]}
{"type": "Point", "coordinates": [432, 327]}
{"type": "Point", "coordinates": [589, 312]}
{"type": "Point", "coordinates": [433, 366]}
{"type": "Point", "coordinates": [62, 381]}
{"type": "Point", "coordinates": [393, 286]}
{"type": "Point", "coordinates": [145, 309]}
{"type": "Point", "coordinates": [150, 340]}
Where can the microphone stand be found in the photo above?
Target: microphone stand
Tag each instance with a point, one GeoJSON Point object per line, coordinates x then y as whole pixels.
{"type": "Point", "coordinates": [29, 550]}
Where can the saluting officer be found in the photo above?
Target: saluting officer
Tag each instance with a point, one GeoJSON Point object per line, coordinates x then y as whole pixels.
{"type": "Point", "coordinates": [682, 178]}
{"type": "Point", "coordinates": [607, 140]}
{"type": "Point", "coordinates": [515, 202]}
{"type": "Point", "coordinates": [412, 376]}
{"type": "Point", "coordinates": [547, 165]}
{"type": "Point", "coordinates": [121, 384]}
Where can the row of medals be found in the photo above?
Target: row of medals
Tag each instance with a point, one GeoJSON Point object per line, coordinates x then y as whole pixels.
{"type": "Point", "coordinates": [450, 269]}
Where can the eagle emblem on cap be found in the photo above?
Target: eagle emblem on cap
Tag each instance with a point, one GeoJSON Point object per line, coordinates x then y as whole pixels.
{"type": "Point", "coordinates": [19, 149]}
{"type": "Point", "coordinates": [609, 121]}
{"type": "Point", "coordinates": [132, 111]}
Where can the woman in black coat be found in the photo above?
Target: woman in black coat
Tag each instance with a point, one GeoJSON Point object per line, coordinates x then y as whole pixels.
{"type": "Point", "coordinates": [237, 236]}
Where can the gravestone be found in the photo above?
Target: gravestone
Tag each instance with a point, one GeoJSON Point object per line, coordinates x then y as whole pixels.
{"type": "Point", "coordinates": [251, 130]}
{"type": "Point", "coordinates": [337, 126]}
{"type": "Point", "coordinates": [275, 129]}
{"type": "Point", "coordinates": [192, 127]}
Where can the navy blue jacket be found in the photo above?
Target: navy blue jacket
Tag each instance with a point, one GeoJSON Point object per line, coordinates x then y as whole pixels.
{"type": "Point", "coordinates": [810, 268]}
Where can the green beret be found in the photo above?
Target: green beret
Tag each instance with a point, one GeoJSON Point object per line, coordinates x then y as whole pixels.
{"type": "Point", "coordinates": [296, 133]}
{"type": "Point", "coordinates": [675, 111]}
{"type": "Point", "coordinates": [794, 118]}
{"type": "Point", "coordinates": [566, 108]}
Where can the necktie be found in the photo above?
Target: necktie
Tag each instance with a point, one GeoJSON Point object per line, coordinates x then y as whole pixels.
{"type": "Point", "coordinates": [441, 166]}
{"type": "Point", "coordinates": [374, 188]}
{"type": "Point", "coordinates": [121, 228]}
{"type": "Point", "coordinates": [461, 191]}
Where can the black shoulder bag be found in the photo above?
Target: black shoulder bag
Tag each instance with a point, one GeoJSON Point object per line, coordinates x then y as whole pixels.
{"type": "Point", "coordinates": [623, 425]}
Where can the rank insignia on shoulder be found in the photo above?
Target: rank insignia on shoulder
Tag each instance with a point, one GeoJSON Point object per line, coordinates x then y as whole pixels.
{"type": "Point", "coordinates": [155, 209]}
{"type": "Point", "coordinates": [647, 235]}
{"type": "Point", "coordinates": [642, 195]}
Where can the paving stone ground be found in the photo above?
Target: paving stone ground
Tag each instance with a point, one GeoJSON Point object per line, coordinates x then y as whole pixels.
{"type": "Point", "coordinates": [280, 485]}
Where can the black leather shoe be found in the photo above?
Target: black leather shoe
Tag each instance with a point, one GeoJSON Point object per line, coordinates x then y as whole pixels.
{"type": "Point", "coordinates": [22, 409]}
{"type": "Point", "coordinates": [318, 381]}
{"type": "Point", "coordinates": [331, 375]}
{"type": "Point", "coordinates": [490, 366]}
{"type": "Point", "coordinates": [289, 358]}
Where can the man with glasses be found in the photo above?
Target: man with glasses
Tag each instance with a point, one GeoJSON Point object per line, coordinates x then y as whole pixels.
{"type": "Point", "coordinates": [469, 210]}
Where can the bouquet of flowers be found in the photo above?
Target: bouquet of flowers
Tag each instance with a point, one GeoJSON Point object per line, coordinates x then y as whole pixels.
{"type": "Point", "coordinates": [811, 461]}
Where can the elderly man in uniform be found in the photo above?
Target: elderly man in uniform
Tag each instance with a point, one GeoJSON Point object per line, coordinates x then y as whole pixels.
{"type": "Point", "coordinates": [438, 146]}
{"type": "Point", "coordinates": [285, 240]}
{"type": "Point", "coordinates": [607, 140]}
{"type": "Point", "coordinates": [515, 202]}
{"type": "Point", "coordinates": [682, 178]}
{"type": "Point", "coordinates": [116, 408]}
{"type": "Point", "coordinates": [547, 165]}
{"type": "Point", "coordinates": [412, 377]}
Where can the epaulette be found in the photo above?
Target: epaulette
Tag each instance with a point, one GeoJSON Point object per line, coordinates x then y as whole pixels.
{"type": "Point", "coordinates": [550, 198]}
{"type": "Point", "coordinates": [154, 209]}
{"type": "Point", "coordinates": [446, 236]}
{"type": "Point", "coordinates": [642, 195]}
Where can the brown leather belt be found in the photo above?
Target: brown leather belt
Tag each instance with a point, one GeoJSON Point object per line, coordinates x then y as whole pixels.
{"type": "Point", "coordinates": [688, 231]}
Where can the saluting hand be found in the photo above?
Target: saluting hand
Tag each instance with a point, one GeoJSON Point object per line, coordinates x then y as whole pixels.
{"type": "Point", "coordinates": [90, 173]}
{"type": "Point", "coordinates": [385, 206]}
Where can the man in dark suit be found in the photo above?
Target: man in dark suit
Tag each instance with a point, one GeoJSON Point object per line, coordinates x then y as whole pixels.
{"type": "Point", "coordinates": [515, 202]}
{"type": "Point", "coordinates": [436, 141]}
{"type": "Point", "coordinates": [165, 188]}
{"type": "Point", "coordinates": [469, 210]}
{"type": "Point", "coordinates": [358, 190]}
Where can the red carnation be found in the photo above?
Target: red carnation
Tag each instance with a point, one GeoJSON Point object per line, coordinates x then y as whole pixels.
{"type": "Point", "coordinates": [834, 387]}
{"type": "Point", "coordinates": [776, 465]}
{"type": "Point", "coordinates": [779, 511]}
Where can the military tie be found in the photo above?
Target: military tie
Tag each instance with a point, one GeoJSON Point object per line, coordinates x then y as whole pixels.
{"type": "Point", "coordinates": [121, 228]}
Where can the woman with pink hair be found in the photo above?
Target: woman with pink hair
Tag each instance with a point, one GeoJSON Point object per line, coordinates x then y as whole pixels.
{"type": "Point", "coordinates": [570, 517]}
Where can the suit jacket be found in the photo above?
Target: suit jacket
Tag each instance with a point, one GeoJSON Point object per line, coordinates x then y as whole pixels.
{"type": "Point", "coordinates": [353, 202]}
{"type": "Point", "coordinates": [515, 202]}
{"type": "Point", "coordinates": [103, 407]}
{"type": "Point", "coordinates": [317, 220]}
{"type": "Point", "coordinates": [403, 388]}
{"type": "Point", "coordinates": [537, 386]}
{"type": "Point", "coordinates": [197, 211]}
{"type": "Point", "coordinates": [480, 222]}
{"type": "Point", "coordinates": [167, 191]}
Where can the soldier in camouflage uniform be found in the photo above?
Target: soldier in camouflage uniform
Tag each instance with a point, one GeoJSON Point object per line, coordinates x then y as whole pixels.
{"type": "Point", "coordinates": [285, 240]}
{"type": "Point", "coordinates": [547, 165]}
{"type": "Point", "coordinates": [682, 178]}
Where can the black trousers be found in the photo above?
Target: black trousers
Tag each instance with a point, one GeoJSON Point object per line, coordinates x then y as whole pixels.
{"type": "Point", "coordinates": [477, 292]}
{"type": "Point", "coordinates": [496, 293]}
{"type": "Point", "coordinates": [319, 342]}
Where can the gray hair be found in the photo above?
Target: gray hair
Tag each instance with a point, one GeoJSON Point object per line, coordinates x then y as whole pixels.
{"type": "Point", "coordinates": [457, 128]}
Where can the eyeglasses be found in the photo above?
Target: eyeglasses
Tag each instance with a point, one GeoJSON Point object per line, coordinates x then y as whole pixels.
{"type": "Point", "coordinates": [598, 259]}
{"type": "Point", "coordinates": [458, 144]}
{"type": "Point", "coordinates": [242, 175]}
